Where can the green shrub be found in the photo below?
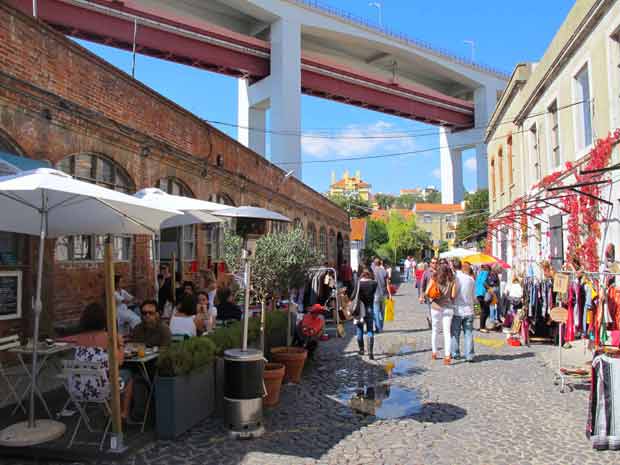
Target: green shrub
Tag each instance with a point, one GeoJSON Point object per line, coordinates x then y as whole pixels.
{"type": "Point", "coordinates": [187, 356]}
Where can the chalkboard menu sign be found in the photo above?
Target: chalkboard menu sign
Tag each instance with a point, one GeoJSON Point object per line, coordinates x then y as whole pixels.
{"type": "Point", "coordinates": [10, 294]}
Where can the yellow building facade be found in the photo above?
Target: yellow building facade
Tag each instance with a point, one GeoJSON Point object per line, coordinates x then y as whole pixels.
{"type": "Point", "coordinates": [547, 122]}
{"type": "Point", "coordinates": [350, 185]}
{"type": "Point", "coordinates": [439, 220]}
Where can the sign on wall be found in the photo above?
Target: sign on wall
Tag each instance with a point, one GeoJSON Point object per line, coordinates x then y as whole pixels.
{"type": "Point", "coordinates": [10, 295]}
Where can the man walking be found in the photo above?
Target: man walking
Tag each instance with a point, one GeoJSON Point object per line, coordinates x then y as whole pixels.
{"type": "Point", "coordinates": [381, 293]}
{"type": "Point", "coordinates": [407, 266]}
{"type": "Point", "coordinates": [424, 282]}
{"type": "Point", "coordinates": [463, 311]}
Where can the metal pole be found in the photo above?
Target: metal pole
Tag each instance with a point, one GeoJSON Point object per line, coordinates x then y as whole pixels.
{"type": "Point", "coordinates": [246, 313]}
{"type": "Point", "coordinates": [133, 53]}
{"type": "Point", "coordinates": [34, 8]}
{"type": "Point", "coordinates": [38, 306]}
{"type": "Point", "coordinates": [155, 267]}
{"type": "Point", "coordinates": [116, 443]}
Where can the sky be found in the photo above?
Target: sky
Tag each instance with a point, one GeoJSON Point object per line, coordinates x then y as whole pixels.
{"type": "Point", "coordinates": [505, 33]}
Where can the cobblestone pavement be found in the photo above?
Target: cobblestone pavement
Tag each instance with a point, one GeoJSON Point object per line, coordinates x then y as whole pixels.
{"type": "Point", "coordinates": [502, 410]}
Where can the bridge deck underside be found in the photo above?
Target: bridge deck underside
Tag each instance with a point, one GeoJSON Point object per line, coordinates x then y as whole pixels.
{"type": "Point", "coordinates": [213, 50]}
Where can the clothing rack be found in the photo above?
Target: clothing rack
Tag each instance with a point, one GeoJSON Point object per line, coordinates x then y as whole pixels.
{"type": "Point", "coordinates": [320, 269]}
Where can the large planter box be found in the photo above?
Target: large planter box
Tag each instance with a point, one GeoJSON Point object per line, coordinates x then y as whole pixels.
{"type": "Point", "coordinates": [183, 401]}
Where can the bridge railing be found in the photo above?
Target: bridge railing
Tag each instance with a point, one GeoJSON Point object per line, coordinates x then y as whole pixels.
{"type": "Point", "coordinates": [359, 20]}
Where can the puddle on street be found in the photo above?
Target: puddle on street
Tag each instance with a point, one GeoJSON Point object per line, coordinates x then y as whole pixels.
{"type": "Point", "coordinates": [382, 400]}
{"type": "Point", "coordinates": [403, 347]}
{"type": "Point", "coordinates": [402, 367]}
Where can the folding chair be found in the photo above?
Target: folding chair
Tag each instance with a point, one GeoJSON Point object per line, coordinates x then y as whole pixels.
{"type": "Point", "coordinates": [88, 384]}
{"type": "Point", "coordinates": [7, 343]}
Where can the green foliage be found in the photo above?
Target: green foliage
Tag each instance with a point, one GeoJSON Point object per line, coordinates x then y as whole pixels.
{"type": "Point", "coordinates": [233, 246]}
{"type": "Point", "coordinates": [474, 222]}
{"type": "Point", "coordinates": [433, 197]}
{"type": "Point", "coordinates": [405, 237]}
{"type": "Point", "coordinates": [281, 262]}
{"type": "Point", "coordinates": [353, 204]}
{"type": "Point", "coordinates": [385, 201]}
{"type": "Point", "coordinates": [376, 234]}
{"type": "Point", "coordinates": [407, 201]}
{"type": "Point", "coordinates": [187, 356]}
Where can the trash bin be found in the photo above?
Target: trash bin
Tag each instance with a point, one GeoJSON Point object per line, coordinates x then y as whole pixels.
{"type": "Point", "coordinates": [244, 391]}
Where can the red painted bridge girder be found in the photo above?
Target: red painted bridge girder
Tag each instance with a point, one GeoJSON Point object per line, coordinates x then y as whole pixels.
{"type": "Point", "coordinates": [209, 47]}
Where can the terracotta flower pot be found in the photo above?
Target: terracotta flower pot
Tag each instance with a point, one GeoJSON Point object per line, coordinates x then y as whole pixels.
{"type": "Point", "coordinates": [273, 375]}
{"type": "Point", "coordinates": [293, 359]}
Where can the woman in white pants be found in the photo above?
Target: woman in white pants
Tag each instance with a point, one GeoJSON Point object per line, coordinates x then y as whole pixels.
{"type": "Point", "coordinates": [441, 291]}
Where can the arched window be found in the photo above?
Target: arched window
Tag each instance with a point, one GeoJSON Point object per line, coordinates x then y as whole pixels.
{"type": "Point", "coordinates": [323, 242]}
{"type": "Point", "coordinates": [174, 186]}
{"type": "Point", "coordinates": [311, 235]}
{"type": "Point", "coordinates": [297, 224]}
{"type": "Point", "coordinates": [180, 240]}
{"type": "Point", "coordinates": [100, 170]}
{"type": "Point", "coordinates": [214, 233]}
{"type": "Point", "coordinates": [332, 252]}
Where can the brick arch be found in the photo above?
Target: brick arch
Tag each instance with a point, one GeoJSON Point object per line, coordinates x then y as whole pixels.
{"type": "Point", "coordinates": [8, 144]}
{"type": "Point", "coordinates": [118, 178]}
{"type": "Point", "coordinates": [222, 197]}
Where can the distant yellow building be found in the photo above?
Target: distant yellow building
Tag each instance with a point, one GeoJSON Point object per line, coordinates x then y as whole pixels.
{"type": "Point", "coordinates": [350, 185]}
{"type": "Point", "coordinates": [439, 220]}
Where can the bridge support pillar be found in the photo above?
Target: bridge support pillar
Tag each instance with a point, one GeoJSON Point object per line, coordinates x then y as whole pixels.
{"type": "Point", "coordinates": [453, 144]}
{"type": "Point", "coordinates": [281, 93]}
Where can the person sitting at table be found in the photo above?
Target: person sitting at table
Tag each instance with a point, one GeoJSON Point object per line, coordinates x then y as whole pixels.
{"type": "Point", "coordinates": [152, 332]}
{"type": "Point", "coordinates": [127, 319]}
{"type": "Point", "coordinates": [206, 311]}
{"type": "Point", "coordinates": [93, 347]}
{"type": "Point", "coordinates": [227, 309]}
{"type": "Point", "coordinates": [185, 321]}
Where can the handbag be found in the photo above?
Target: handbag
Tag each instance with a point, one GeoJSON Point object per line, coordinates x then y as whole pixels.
{"type": "Point", "coordinates": [389, 309]}
{"type": "Point", "coordinates": [433, 292]}
{"type": "Point", "coordinates": [352, 309]}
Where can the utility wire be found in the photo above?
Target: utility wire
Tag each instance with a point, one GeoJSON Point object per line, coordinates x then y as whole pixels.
{"type": "Point", "coordinates": [387, 135]}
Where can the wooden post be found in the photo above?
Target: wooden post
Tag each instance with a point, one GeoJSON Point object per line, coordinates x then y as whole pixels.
{"type": "Point", "coordinates": [116, 442]}
{"type": "Point", "coordinates": [173, 280]}
{"type": "Point", "coordinates": [262, 325]}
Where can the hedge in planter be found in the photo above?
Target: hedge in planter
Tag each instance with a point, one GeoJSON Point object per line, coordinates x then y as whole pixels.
{"type": "Point", "coordinates": [185, 386]}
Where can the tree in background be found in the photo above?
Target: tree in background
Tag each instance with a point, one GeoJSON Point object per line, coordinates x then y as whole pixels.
{"type": "Point", "coordinates": [376, 235]}
{"type": "Point", "coordinates": [433, 197]}
{"type": "Point", "coordinates": [407, 201]}
{"type": "Point", "coordinates": [385, 201]}
{"type": "Point", "coordinates": [474, 221]}
{"type": "Point", "coordinates": [404, 237]}
{"type": "Point", "coordinates": [353, 204]}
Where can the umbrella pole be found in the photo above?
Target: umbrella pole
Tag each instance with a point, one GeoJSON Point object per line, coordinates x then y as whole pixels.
{"type": "Point", "coordinates": [38, 306]}
{"type": "Point", "coordinates": [116, 442]}
{"type": "Point", "coordinates": [246, 312]}
{"type": "Point", "coordinates": [155, 268]}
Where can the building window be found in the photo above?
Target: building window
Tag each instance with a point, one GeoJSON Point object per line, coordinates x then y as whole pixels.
{"type": "Point", "coordinates": [173, 186]}
{"type": "Point", "coordinates": [500, 169]}
{"type": "Point", "coordinates": [297, 224]}
{"type": "Point", "coordinates": [189, 242]}
{"type": "Point", "coordinates": [428, 219]}
{"type": "Point", "coordinates": [534, 151]}
{"type": "Point", "coordinates": [179, 240]}
{"type": "Point", "coordinates": [99, 170]}
{"type": "Point", "coordinates": [492, 176]}
{"type": "Point", "coordinates": [554, 134]}
{"type": "Point", "coordinates": [450, 235]}
{"type": "Point", "coordinates": [311, 234]}
{"type": "Point", "coordinates": [583, 109]}
{"type": "Point", "coordinates": [510, 172]}
{"type": "Point", "coordinates": [214, 233]}
{"type": "Point", "coordinates": [323, 243]}
{"type": "Point", "coordinates": [332, 245]}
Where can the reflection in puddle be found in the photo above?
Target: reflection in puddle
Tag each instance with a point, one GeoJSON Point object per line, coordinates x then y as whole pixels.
{"type": "Point", "coordinates": [402, 367]}
{"type": "Point", "coordinates": [402, 347]}
{"type": "Point", "coordinates": [382, 400]}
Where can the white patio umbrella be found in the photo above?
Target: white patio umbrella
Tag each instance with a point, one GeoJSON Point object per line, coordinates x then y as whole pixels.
{"type": "Point", "coordinates": [195, 211]}
{"type": "Point", "coordinates": [49, 203]}
{"type": "Point", "coordinates": [251, 212]}
{"type": "Point", "coordinates": [457, 253]}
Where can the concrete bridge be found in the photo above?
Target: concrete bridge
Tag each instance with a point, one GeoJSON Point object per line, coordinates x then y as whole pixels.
{"type": "Point", "coordinates": [280, 49]}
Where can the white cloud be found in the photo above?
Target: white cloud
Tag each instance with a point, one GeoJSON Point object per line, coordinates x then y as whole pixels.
{"type": "Point", "coordinates": [436, 173]}
{"type": "Point", "coordinates": [470, 164]}
{"type": "Point", "coordinates": [351, 141]}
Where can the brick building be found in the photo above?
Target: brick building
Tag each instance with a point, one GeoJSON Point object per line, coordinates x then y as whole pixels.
{"type": "Point", "coordinates": [62, 104]}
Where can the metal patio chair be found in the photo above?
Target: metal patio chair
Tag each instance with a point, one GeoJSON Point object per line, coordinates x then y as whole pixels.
{"type": "Point", "coordinates": [7, 343]}
{"type": "Point", "coordinates": [88, 385]}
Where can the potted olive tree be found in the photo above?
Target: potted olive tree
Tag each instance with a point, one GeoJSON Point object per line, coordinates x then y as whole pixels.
{"type": "Point", "coordinates": [185, 386]}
